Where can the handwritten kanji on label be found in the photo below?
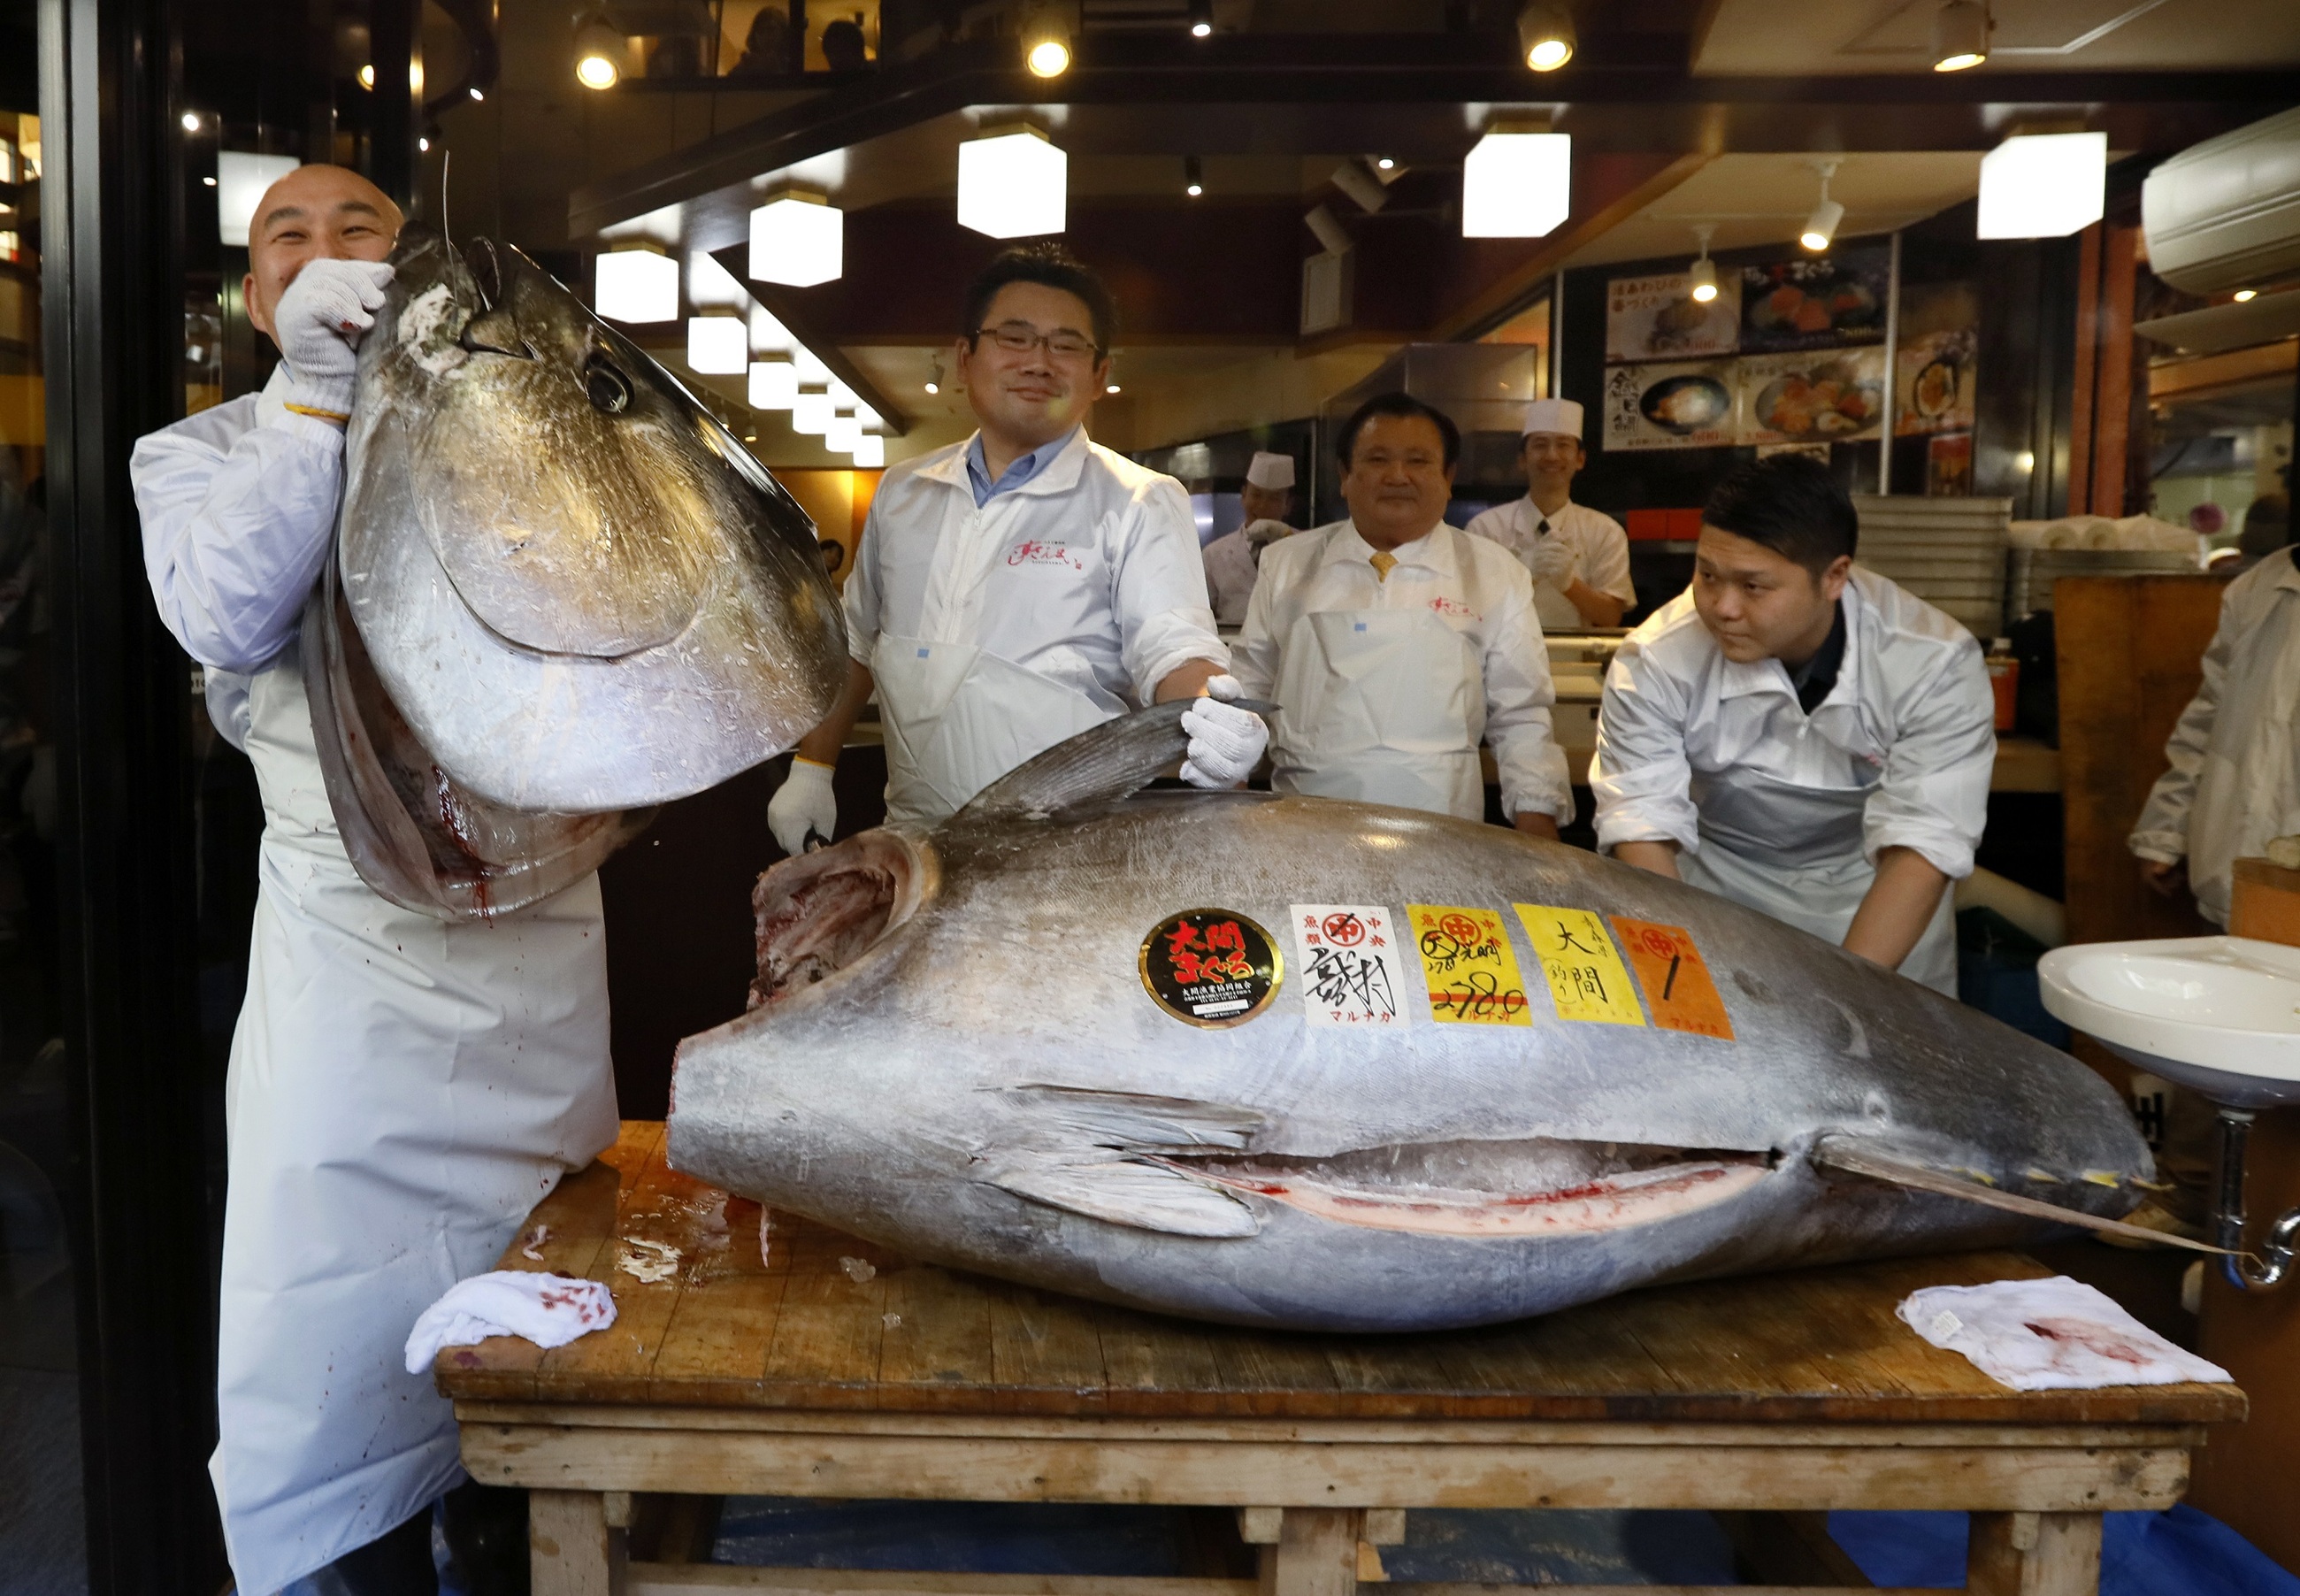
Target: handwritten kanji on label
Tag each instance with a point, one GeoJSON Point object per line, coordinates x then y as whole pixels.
{"type": "Point", "coordinates": [1678, 988]}
{"type": "Point", "coordinates": [1471, 968]}
{"type": "Point", "coordinates": [1586, 978]}
{"type": "Point", "coordinates": [1350, 971]}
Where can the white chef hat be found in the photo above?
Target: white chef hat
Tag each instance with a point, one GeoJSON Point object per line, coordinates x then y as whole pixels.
{"type": "Point", "coordinates": [1270, 472]}
{"type": "Point", "coordinates": [1553, 415]}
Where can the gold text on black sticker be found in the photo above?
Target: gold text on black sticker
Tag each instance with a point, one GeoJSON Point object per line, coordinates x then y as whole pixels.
{"type": "Point", "coordinates": [1211, 967]}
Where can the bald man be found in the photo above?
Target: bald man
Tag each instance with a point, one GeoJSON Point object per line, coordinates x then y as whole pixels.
{"type": "Point", "coordinates": [402, 1091]}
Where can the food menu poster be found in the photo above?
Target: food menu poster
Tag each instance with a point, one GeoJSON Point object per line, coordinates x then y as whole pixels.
{"type": "Point", "coordinates": [1670, 404]}
{"type": "Point", "coordinates": [1820, 302]}
{"type": "Point", "coordinates": [1657, 317]}
{"type": "Point", "coordinates": [1831, 396]}
{"type": "Point", "coordinates": [1935, 384]}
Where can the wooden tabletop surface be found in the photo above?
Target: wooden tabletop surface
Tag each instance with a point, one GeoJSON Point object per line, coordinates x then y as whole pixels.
{"type": "Point", "coordinates": [824, 1321]}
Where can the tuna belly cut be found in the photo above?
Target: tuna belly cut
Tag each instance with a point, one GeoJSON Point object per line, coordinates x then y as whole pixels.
{"type": "Point", "coordinates": [1500, 1190]}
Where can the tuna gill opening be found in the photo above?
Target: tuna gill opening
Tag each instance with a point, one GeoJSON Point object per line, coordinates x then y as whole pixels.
{"type": "Point", "coordinates": [818, 914]}
{"type": "Point", "coordinates": [1490, 1189]}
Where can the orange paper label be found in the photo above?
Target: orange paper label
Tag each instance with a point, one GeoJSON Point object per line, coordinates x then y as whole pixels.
{"type": "Point", "coordinates": [1677, 986]}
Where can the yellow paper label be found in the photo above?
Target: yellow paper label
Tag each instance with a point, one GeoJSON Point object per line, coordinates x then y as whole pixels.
{"type": "Point", "coordinates": [1467, 961]}
{"type": "Point", "coordinates": [1586, 979]}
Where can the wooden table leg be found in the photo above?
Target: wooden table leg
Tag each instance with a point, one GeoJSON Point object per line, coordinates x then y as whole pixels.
{"type": "Point", "coordinates": [573, 1551]}
{"type": "Point", "coordinates": [1316, 1553]}
{"type": "Point", "coordinates": [2034, 1554]}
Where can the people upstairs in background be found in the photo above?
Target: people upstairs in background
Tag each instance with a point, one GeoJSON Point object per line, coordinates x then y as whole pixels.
{"type": "Point", "coordinates": [767, 46]}
{"type": "Point", "coordinates": [1799, 734]}
{"type": "Point", "coordinates": [843, 47]}
{"type": "Point", "coordinates": [402, 1091]}
{"type": "Point", "coordinates": [1231, 559]}
{"type": "Point", "coordinates": [1393, 644]}
{"type": "Point", "coordinates": [1021, 587]}
{"type": "Point", "coordinates": [1580, 559]}
{"type": "Point", "coordinates": [2234, 785]}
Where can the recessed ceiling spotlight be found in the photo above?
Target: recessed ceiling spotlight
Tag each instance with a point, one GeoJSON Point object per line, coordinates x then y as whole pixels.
{"type": "Point", "coordinates": [191, 121]}
{"type": "Point", "coordinates": [1193, 176]}
{"type": "Point", "coordinates": [1960, 35]}
{"type": "Point", "coordinates": [2245, 296]}
{"type": "Point", "coordinates": [934, 375]}
{"type": "Point", "coordinates": [1384, 163]}
{"type": "Point", "coordinates": [1821, 227]}
{"type": "Point", "coordinates": [367, 76]}
{"type": "Point", "coordinates": [1046, 45]}
{"type": "Point", "coordinates": [1544, 35]}
{"type": "Point", "coordinates": [1202, 19]}
{"type": "Point", "coordinates": [477, 95]}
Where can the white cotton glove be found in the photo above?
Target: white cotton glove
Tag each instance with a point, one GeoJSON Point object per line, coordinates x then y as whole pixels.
{"type": "Point", "coordinates": [318, 323]}
{"type": "Point", "coordinates": [803, 807]}
{"type": "Point", "coordinates": [1226, 743]}
{"type": "Point", "coordinates": [1552, 560]}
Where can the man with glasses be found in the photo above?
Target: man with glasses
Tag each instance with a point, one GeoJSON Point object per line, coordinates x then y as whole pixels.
{"type": "Point", "coordinates": [1021, 587]}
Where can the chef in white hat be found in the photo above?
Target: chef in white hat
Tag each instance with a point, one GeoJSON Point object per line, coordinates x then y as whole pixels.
{"type": "Point", "coordinates": [1233, 559]}
{"type": "Point", "coordinates": [1580, 559]}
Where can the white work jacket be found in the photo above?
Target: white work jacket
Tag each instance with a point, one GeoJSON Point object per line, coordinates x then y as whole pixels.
{"type": "Point", "coordinates": [1230, 573]}
{"type": "Point", "coordinates": [2234, 784]}
{"type": "Point", "coordinates": [1356, 692]}
{"type": "Point", "coordinates": [1787, 812]}
{"type": "Point", "coordinates": [1601, 553]}
{"type": "Point", "coordinates": [996, 632]}
{"type": "Point", "coordinates": [402, 1091]}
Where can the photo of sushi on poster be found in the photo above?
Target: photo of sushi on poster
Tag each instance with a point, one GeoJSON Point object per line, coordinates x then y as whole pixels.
{"type": "Point", "coordinates": [1823, 302]}
{"type": "Point", "coordinates": [1672, 405]}
{"type": "Point", "coordinates": [1831, 396]}
{"type": "Point", "coordinates": [1933, 377]}
{"type": "Point", "coordinates": [1655, 317]}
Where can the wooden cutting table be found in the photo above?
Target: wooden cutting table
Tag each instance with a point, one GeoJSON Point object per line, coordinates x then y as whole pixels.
{"type": "Point", "coordinates": [830, 1369]}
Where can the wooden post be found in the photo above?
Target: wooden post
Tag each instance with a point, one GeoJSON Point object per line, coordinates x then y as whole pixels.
{"type": "Point", "coordinates": [2034, 1554]}
{"type": "Point", "coordinates": [572, 1551]}
{"type": "Point", "coordinates": [1316, 1554]}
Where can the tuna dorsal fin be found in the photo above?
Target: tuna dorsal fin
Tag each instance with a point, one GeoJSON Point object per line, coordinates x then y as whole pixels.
{"type": "Point", "coordinates": [1856, 1156]}
{"type": "Point", "coordinates": [1100, 765]}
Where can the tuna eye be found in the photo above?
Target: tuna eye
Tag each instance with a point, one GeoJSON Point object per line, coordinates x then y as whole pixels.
{"type": "Point", "coordinates": [609, 388]}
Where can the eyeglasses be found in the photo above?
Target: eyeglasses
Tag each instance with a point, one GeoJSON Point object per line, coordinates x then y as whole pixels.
{"type": "Point", "coordinates": [1021, 337]}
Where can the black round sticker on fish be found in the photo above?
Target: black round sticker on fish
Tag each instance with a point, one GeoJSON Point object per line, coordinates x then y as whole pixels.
{"type": "Point", "coordinates": [1211, 967]}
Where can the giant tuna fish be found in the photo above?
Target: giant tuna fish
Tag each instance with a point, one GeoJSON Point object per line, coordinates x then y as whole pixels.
{"type": "Point", "coordinates": [563, 592]}
{"type": "Point", "coordinates": [1294, 1062]}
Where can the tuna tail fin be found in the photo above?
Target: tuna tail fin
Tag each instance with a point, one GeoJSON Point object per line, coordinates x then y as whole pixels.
{"type": "Point", "coordinates": [1100, 765]}
{"type": "Point", "coordinates": [1855, 1155]}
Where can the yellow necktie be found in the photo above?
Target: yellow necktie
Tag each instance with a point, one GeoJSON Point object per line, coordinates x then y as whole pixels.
{"type": "Point", "coordinates": [1384, 563]}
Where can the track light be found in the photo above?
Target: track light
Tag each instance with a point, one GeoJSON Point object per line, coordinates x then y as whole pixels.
{"type": "Point", "coordinates": [1821, 227]}
{"type": "Point", "coordinates": [1193, 176]}
{"type": "Point", "coordinates": [477, 95]}
{"type": "Point", "coordinates": [2245, 296]}
{"type": "Point", "coordinates": [599, 53]}
{"type": "Point", "coordinates": [1960, 35]}
{"type": "Point", "coordinates": [1332, 235]}
{"type": "Point", "coordinates": [1544, 35]}
{"type": "Point", "coordinates": [191, 121]}
{"type": "Point", "coordinates": [1365, 191]}
{"type": "Point", "coordinates": [1704, 270]}
{"type": "Point", "coordinates": [367, 76]}
{"type": "Point", "coordinates": [934, 375]}
{"type": "Point", "coordinates": [1046, 45]}
{"type": "Point", "coordinates": [1202, 19]}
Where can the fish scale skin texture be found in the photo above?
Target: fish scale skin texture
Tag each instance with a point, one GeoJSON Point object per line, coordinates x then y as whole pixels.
{"type": "Point", "coordinates": [575, 609]}
{"type": "Point", "coordinates": [886, 1098]}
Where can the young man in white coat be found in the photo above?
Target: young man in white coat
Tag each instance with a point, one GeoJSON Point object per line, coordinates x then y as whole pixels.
{"type": "Point", "coordinates": [402, 1091]}
{"type": "Point", "coordinates": [1233, 559]}
{"type": "Point", "coordinates": [1801, 735]}
{"type": "Point", "coordinates": [1393, 644]}
{"type": "Point", "coordinates": [1580, 559]}
{"type": "Point", "coordinates": [2235, 782]}
{"type": "Point", "coordinates": [1026, 585]}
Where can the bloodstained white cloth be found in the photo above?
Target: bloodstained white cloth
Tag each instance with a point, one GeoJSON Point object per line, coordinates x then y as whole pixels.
{"type": "Point", "coordinates": [2055, 1334]}
{"type": "Point", "coordinates": [547, 1310]}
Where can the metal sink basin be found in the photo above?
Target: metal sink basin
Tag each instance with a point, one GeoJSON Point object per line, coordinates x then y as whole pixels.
{"type": "Point", "coordinates": [2218, 1015]}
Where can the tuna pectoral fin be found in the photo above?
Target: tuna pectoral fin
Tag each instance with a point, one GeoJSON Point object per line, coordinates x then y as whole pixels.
{"type": "Point", "coordinates": [1854, 1157]}
{"type": "Point", "coordinates": [1139, 1195]}
{"type": "Point", "coordinates": [1100, 765]}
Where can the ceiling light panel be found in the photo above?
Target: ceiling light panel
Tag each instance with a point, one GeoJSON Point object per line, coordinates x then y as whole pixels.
{"type": "Point", "coordinates": [636, 286]}
{"type": "Point", "coordinates": [1012, 185]}
{"type": "Point", "coordinates": [1517, 185]}
{"type": "Point", "coordinates": [2043, 186]}
{"type": "Point", "coordinates": [797, 239]}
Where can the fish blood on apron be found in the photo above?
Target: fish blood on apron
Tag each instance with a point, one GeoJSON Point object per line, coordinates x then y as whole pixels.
{"type": "Point", "coordinates": [1678, 988]}
{"type": "Point", "coordinates": [1471, 970]}
{"type": "Point", "coordinates": [1350, 974]}
{"type": "Point", "coordinates": [1211, 967]}
{"type": "Point", "coordinates": [1585, 977]}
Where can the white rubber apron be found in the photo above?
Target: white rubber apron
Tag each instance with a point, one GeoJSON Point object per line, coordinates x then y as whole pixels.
{"type": "Point", "coordinates": [956, 719]}
{"type": "Point", "coordinates": [1795, 852]}
{"type": "Point", "coordinates": [402, 1092]}
{"type": "Point", "coordinates": [1385, 707]}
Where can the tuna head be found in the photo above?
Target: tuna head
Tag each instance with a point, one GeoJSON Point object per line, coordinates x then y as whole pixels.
{"type": "Point", "coordinates": [579, 590]}
{"type": "Point", "coordinates": [1597, 1079]}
